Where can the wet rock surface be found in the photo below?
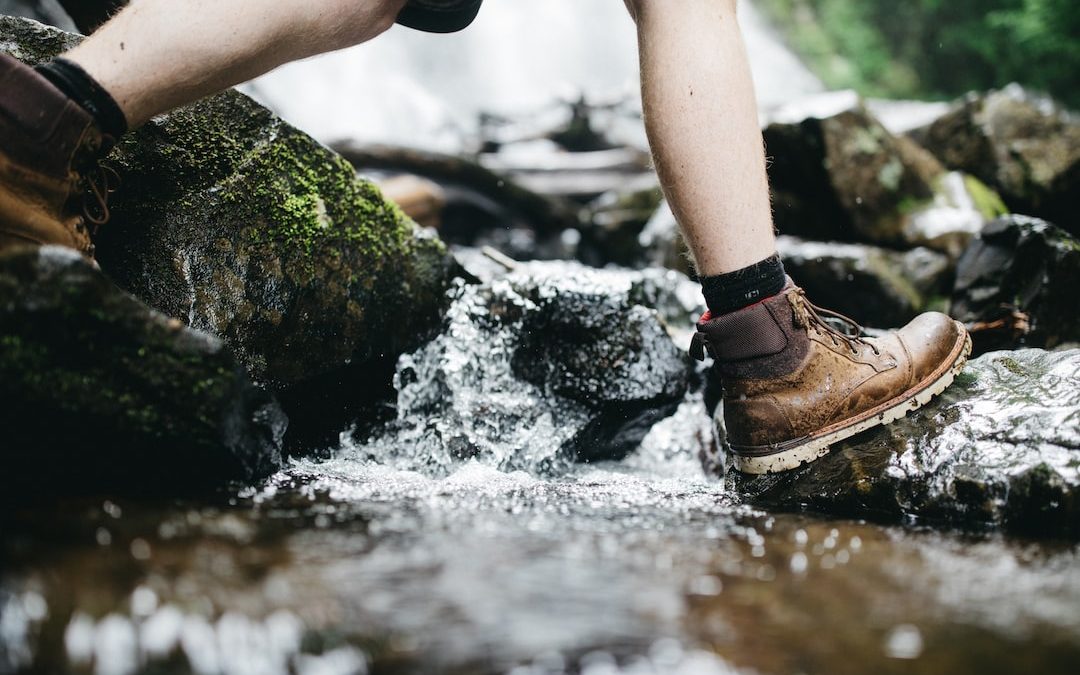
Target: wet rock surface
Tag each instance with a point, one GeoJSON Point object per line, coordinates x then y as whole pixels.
{"type": "Point", "coordinates": [550, 363]}
{"type": "Point", "coordinates": [1016, 285]}
{"type": "Point", "coordinates": [103, 394]}
{"type": "Point", "coordinates": [1000, 447]}
{"type": "Point", "coordinates": [249, 229]}
{"type": "Point", "coordinates": [1023, 145]}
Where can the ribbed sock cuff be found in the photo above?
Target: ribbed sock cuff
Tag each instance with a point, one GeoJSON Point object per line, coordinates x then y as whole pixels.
{"type": "Point", "coordinates": [71, 79]}
{"type": "Point", "coordinates": [728, 292]}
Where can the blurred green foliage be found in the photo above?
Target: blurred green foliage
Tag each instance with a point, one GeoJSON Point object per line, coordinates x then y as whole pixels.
{"type": "Point", "coordinates": [936, 48]}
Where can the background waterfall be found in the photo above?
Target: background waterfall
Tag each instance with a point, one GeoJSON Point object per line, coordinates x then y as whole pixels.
{"type": "Point", "coordinates": [426, 90]}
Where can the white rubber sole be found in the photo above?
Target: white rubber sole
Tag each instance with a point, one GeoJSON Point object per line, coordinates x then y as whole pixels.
{"type": "Point", "coordinates": [815, 446]}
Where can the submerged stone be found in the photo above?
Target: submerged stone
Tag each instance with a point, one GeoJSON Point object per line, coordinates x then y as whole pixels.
{"type": "Point", "coordinates": [103, 394]}
{"type": "Point", "coordinates": [1017, 285]}
{"type": "Point", "coordinates": [1000, 448]}
{"type": "Point", "coordinates": [550, 363]}
{"type": "Point", "coordinates": [1025, 146]}
{"type": "Point", "coordinates": [240, 225]}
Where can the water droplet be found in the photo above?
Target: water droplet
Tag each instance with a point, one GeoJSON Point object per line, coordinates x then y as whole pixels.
{"type": "Point", "coordinates": [140, 550]}
{"type": "Point", "coordinates": [706, 585]}
{"type": "Point", "coordinates": [144, 600]}
{"type": "Point", "coordinates": [904, 642]}
{"type": "Point", "coordinates": [799, 563]}
{"type": "Point", "coordinates": [35, 606]}
{"type": "Point", "coordinates": [112, 509]}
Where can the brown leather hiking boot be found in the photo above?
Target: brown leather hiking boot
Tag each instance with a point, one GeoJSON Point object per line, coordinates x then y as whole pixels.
{"type": "Point", "coordinates": [51, 187]}
{"type": "Point", "coordinates": [794, 383]}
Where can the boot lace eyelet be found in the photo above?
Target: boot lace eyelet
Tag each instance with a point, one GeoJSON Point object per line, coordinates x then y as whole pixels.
{"type": "Point", "coordinates": [810, 315]}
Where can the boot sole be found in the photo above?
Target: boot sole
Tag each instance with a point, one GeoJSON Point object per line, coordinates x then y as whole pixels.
{"type": "Point", "coordinates": [793, 454]}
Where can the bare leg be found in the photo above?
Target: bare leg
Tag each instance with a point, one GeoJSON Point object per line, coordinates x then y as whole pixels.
{"type": "Point", "coordinates": [701, 118]}
{"type": "Point", "coordinates": [158, 54]}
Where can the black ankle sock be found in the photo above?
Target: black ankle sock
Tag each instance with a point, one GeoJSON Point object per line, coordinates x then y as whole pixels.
{"type": "Point", "coordinates": [71, 79]}
{"type": "Point", "coordinates": [728, 292]}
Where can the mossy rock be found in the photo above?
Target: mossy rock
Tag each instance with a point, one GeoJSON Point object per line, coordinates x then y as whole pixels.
{"type": "Point", "coordinates": [251, 230]}
{"type": "Point", "coordinates": [103, 394]}
{"type": "Point", "coordinates": [839, 175]}
{"type": "Point", "coordinates": [242, 226]}
{"type": "Point", "coordinates": [1024, 146]}
{"type": "Point", "coordinates": [999, 449]}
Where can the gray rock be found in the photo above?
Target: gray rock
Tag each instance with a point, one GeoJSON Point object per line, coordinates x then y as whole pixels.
{"type": "Point", "coordinates": [837, 174]}
{"type": "Point", "coordinates": [1000, 448]}
{"type": "Point", "coordinates": [242, 226]}
{"type": "Point", "coordinates": [1023, 145]}
{"type": "Point", "coordinates": [47, 11]}
{"type": "Point", "coordinates": [103, 394]}
{"type": "Point", "coordinates": [1017, 285]}
{"type": "Point", "coordinates": [875, 286]}
{"type": "Point", "coordinates": [550, 363]}
{"type": "Point", "coordinates": [615, 222]}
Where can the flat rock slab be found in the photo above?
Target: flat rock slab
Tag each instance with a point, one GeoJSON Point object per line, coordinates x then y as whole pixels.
{"type": "Point", "coordinates": [999, 448]}
{"type": "Point", "coordinates": [102, 394]}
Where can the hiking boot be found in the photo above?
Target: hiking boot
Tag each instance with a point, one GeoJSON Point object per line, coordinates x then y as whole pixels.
{"type": "Point", "coordinates": [798, 378]}
{"type": "Point", "coordinates": [52, 190]}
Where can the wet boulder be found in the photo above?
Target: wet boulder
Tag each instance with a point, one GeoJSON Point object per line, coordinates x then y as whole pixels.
{"type": "Point", "coordinates": [875, 286]}
{"type": "Point", "coordinates": [102, 394]}
{"type": "Point", "coordinates": [550, 363]}
{"type": "Point", "coordinates": [999, 448]}
{"type": "Point", "coordinates": [1017, 284]}
{"type": "Point", "coordinates": [240, 225]}
{"type": "Point", "coordinates": [615, 221]}
{"type": "Point", "coordinates": [1024, 145]}
{"type": "Point", "coordinates": [838, 174]}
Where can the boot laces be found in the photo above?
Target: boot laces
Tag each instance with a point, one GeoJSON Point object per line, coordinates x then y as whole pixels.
{"type": "Point", "coordinates": [100, 181]}
{"type": "Point", "coordinates": [824, 321]}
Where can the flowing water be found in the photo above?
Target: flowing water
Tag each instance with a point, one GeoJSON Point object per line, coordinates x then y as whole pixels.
{"type": "Point", "coordinates": [641, 566]}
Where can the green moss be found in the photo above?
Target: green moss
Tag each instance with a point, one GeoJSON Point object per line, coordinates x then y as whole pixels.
{"type": "Point", "coordinates": [909, 205]}
{"type": "Point", "coordinates": [987, 202]}
{"type": "Point", "coordinates": [1011, 365]}
{"type": "Point", "coordinates": [303, 196]}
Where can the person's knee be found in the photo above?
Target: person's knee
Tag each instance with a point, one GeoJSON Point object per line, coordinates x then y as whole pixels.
{"type": "Point", "coordinates": [351, 22]}
{"type": "Point", "coordinates": [639, 9]}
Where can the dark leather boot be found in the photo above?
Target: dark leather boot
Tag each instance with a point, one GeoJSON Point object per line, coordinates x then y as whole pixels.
{"type": "Point", "coordinates": [52, 189]}
{"type": "Point", "coordinates": [794, 383]}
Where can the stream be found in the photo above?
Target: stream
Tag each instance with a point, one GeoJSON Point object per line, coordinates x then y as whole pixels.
{"type": "Point", "coordinates": [639, 566]}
